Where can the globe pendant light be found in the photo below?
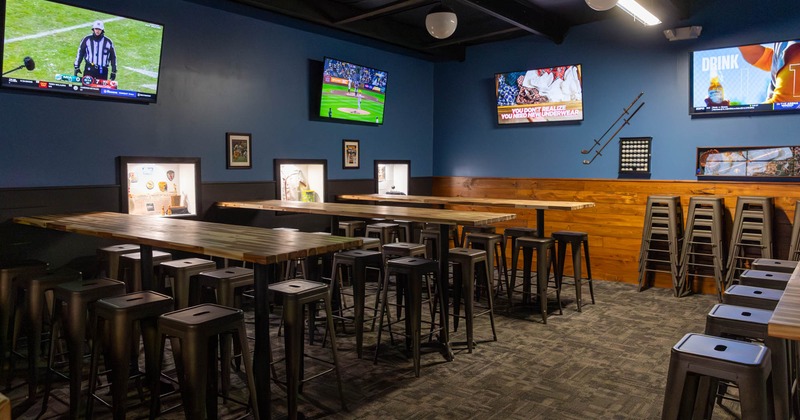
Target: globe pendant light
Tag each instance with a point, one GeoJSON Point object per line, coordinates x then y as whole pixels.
{"type": "Point", "coordinates": [601, 5]}
{"type": "Point", "coordinates": [441, 21]}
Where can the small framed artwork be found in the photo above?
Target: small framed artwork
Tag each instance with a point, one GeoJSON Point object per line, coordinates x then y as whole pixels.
{"type": "Point", "coordinates": [238, 151]}
{"type": "Point", "coordinates": [350, 156]}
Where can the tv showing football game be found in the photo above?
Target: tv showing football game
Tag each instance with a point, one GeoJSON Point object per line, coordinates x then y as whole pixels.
{"type": "Point", "coordinates": [57, 48]}
{"type": "Point", "coordinates": [542, 95]}
{"type": "Point", "coordinates": [756, 78]}
{"type": "Point", "coordinates": [352, 93]}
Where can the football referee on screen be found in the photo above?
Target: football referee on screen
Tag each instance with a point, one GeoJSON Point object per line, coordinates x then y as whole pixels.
{"type": "Point", "coordinates": [98, 53]}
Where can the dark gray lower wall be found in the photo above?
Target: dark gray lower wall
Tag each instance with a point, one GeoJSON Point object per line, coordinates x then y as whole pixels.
{"type": "Point", "coordinates": [24, 242]}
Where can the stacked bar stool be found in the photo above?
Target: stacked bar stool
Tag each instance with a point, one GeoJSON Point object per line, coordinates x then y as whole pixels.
{"type": "Point", "coordinates": [108, 258]}
{"type": "Point", "coordinates": [771, 264]}
{"type": "Point", "coordinates": [661, 240]}
{"type": "Point", "coordinates": [355, 264]}
{"type": "Point", "coordinates": [754, 297]}
{"type": "Point", "coordinates": [750, 324]}
{"type": "Point", "coordinates": [35, 309]}
{"type": "Point", "coordinates": [698, 356]}
{"type": "Point", "coordinates": [575, 240]}
{"type": "Point", "coordinates": [794, 244]}
{"type": "Point", "coordinates": [116, 319]}
{"type": "Point", "coordinates": [228, 285]}
{"type": "Point", "coordinates": [350, 227]}
{"type": "Point", "coordinates": [469, 264]}
{"type": "Point", "coordinates": [193, 333]}
{"type": "Point", "coordinates": [765, 279]}
{"type": "Point", "coordinates": [10, 274]}
{"type": "Point", "coordinates": [703, 244]}
{"type": "Point", "coordinates": [182, 272]}
{"type": "Point", "coordinates": [545, 258]}
{"type": "Point", "coordinates": [410, 272]}
{"type": "Point", "coordinates": [130, 268]}
{"type": "Point", "coordinates": [297, 294]}
{"type": "Point", "coordinates": [386, 232]}
{"type": "Point", "coordinates": [494, 245]}
{"type": "Point", "coordinates": [73, 302]}
{"type": "Point", "coordinates": [752, 235]}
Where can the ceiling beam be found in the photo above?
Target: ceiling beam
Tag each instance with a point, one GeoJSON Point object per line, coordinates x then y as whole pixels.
{"type": "Point", "coordinates": [524, 16]}
{"type": "Point", "coordinates": [399, 6]}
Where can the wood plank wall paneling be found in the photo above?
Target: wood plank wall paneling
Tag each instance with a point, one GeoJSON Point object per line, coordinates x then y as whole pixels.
{"type": "Point", "coordinates": [615, 224]}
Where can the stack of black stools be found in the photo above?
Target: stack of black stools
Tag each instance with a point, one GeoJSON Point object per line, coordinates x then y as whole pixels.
{"type": "Point", "coordinates": [661, 240]}
{"type": "Point", "coordinates": [794, 245]}
{"type": "Point", "coordinates": [751, 237]}
{"type": "Point", "coordinates": [703, 248]}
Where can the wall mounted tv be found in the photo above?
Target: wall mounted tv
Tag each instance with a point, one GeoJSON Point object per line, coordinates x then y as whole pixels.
{"type": "Point", "coordinates": [351, 92]}
{"type": "Point", "coordinates": [57, 48]}
{"type": "Point", "coordinates": [541, 95]}
{"type": "Point", "coordinates": [756, 78]}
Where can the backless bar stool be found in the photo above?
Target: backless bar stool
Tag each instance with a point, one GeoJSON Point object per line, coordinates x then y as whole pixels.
{"type": "Point", "coordinates": [662, 237]}
{"type": "Point", "coordinates": [350, 227]}
{"type": "Point", "coordinates": [469, 264]}
{"type": "Point", "coordinates": [751, 237]}
{"type": "Point", "coordinates": [108, 258]}
{"type": "Point", "coordinates": [372, 244]}
{"type": "Point", "coordinates": [542, 246]}
{"type": "Point", "coordinates": [512, 234]}
{"type": "Point", "coordinates": [193, 334]}
{"type": "Point", "coordinates": [386, 232]}
{"type": "Point", "coordinates": [115, 321]}
{"type": "Point", "coordinates": [430, 238]}
{"type": "Point", "coordinates": [750, 324]}
{"type": "Point", "coordinates": [296, 294]}
{"type": "Point", "coordinates": [754, 297]}
{"type": "Point", "coordinates": [700, 355]}
{"type": "Point", "coordinates": [575, 240]}
{"type": "Point", "coordinates": [182, 272]}
{"type": "Point", "coordinates": [73, 303]}
{"type": "Point", "coordinates": [130, 268]}
{"type": "Point", "coordinates": [703, 251]}
{"type": "Point", "coordinates": [465, 230]}
{"type": "Point", "coordinates": [770, 264]}
{"type": "Point", "coordinates": [765, 279]}
{"type": "Point", "coordinates": [494, 245]}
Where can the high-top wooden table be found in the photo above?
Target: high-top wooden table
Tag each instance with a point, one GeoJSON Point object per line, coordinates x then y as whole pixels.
{"type": "Point", "coordinates": [539, 205]}
{"type": "Point", "coordinates": [785, 321]}
{"type": "Point", "coordinates": [444, 218]}
{"type": "Point", "coordinates": [262, 247]}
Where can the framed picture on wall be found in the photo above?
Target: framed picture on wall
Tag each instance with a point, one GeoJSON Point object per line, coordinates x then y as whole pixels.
{"type": "Point", "coordinates": [350, 154]}
{"type": "Point", "coordinates": [238, 151]}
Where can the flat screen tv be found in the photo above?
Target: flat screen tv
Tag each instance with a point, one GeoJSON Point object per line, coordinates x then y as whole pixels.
{"type": "Point", "coordinates": [543, 95]}
{"type": "Point", "coordinates": [351, 92]}
{"type": "Point", "coordinates": [57, 48]}
{"type": "Point", "coordinates": [754, 79]}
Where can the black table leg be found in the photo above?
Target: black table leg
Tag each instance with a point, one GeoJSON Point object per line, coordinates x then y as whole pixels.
{"type": "Point", "coordinates": [263, 275]}
{"type": "Point", "coordinates": [444, 252]}
{"type": "Point", "coordinates": [540, 223]}
{"type": "Point", "coordinates": [146, 253]}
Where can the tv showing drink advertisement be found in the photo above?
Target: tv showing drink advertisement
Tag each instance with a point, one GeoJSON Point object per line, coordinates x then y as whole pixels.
{"type": "Point", "coordinates": [755, 78]}
{"type": "Point", "coordinates": [57, 48]}
{"type": "Point", "coordinates": [542, 95]}
{"type": "Point", "coordinates": [351, 92]}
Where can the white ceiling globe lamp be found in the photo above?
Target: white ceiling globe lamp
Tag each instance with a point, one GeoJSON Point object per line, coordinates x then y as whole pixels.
{"type": "Point", "coordinates": [441, 21]}
{"type": "Point", "coordinates": [601, 5]}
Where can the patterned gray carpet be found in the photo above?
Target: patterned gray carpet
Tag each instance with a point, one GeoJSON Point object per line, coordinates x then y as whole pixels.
{"type": "Point", "coordinates": [607, 362]}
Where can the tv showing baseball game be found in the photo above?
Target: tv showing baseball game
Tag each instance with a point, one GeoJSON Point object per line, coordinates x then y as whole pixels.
{"type": "Point", "coordinates": [746, 79]}
{"type": "Point", "coordinates": [351, 92]}
{"type": "Point", "coordinates": [57, 48]}
{"type": "Point", "coordinates": [549, 94]}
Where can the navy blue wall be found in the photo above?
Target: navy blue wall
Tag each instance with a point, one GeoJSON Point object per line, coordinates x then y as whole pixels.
{"type": "Point", "coordinates": [620, 58]}
{"type": "Point", "coordinates": [221, 72]}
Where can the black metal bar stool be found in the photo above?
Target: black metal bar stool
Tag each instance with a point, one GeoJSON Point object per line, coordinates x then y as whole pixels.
{"type": "Point", "coordinates": [575, 240]}
{"type": "Point", "coordinates": [469, 264]}
{"type": "Point", "coordinates": [115, 321]}
{"type": "Point", "coordinates": [35, 309]}
{"type": "Point", "coordinates": [108, 259]}
{"type": "Point", "coordinates": [699, 355]}
{"type": "Point", "coordinates": [405, 249]}
{"type": "Point", "coordinates": [73, 303]}
{"type": "Point", "coordinates": [771, 264]}
{"type": "Point", "coordinates": [750, 324]}
{"type": "Point", "coordinates": [182, 272]}
{"type": "Point", "coordinates": [355, 264]}
{"type": "Point", "coordinates": [494, 245]}
{"type": "Point", "coordinates": [410, 272]}
{"type": "Point", "coordinates": [296, 294]}
{"type": "Point", "coordinates": [430, 238]}
{"type": "Point", "coordinates": [765, 279]}
{"type": "Point", "coordinates": [751, 236]}
{"type": "Point", "coordinates": [193, 336]}
{"type": "Point", "coordinates": [662, 238]}
{"type": "Point", "coordinates": [350, 227]}
{"type": "Point", "coordinates": [130, 268]}
{"type": "Point", "coordinates": [753, 297]}
{"type": "Point", "coordinates": [543, 247]}
{"type": "Point", "coordinates": [372, 244]}
{"type": "Point", "coordinates": [703, 250]}
{"type": "Point", "coordinates": [512, 234]}
{"type": "Point", "coordinates": [386, 232]}
{"type": "Point", "coordinates": [465, 230]}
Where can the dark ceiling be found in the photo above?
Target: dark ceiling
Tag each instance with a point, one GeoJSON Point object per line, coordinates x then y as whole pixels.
{"type": "Point", "coordinates": [401, 23]}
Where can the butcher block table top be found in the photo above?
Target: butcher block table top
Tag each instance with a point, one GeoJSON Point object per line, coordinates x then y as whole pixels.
{"type": "Point", "coordinates": [785, 321]}
{"type": "Point", "coordinates": [474, 201]}
{"type": "Point", "coordinates": [417, 214]}
{"type": "Point", "coordinates": [244, 243]}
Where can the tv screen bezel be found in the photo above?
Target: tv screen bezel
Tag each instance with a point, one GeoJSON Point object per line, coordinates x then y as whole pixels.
{"type": "Point", "coordinates": [33, 89]}
{"type": "Point", "coordinates": [735, 111]}
{"type": "Point", "coordinates": [319, 107]}
{"type": "Point", "coordinates": [553, 122]}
